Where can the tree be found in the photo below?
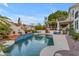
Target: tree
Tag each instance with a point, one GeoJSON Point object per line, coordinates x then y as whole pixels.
{"type": "Point", "coordinates": [58, 15]}
{"type": "Point", "coordinates": [40, 27]}
{"type": "Point", "coordinates": [19, 21]}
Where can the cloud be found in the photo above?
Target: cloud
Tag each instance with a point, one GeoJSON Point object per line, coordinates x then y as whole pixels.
{"type": "Point", "coordinates": [2, 12]}
{"type": "Point", "coordinates": [29, 19]}
{"type": "Point", "coordinates": [24, 18]}
{"type": "Point", "coordinates": [53, 9]}
{"type": "Point", "coordinates": [5, 4]}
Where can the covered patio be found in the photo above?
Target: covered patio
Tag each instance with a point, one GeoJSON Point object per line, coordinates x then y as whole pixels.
{"type": "Point", "coordinates": [59, 26]}
{"type": "Point", "coordinates": [63, 26]}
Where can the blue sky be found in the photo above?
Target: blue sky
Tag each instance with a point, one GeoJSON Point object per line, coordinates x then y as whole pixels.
{"type": "Point", "coordinates": [30, 12]}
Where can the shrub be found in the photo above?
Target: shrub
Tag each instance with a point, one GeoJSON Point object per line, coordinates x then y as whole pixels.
{"type": "Point", "coordinates": [74, 35]}
{"type": "Point", "coordinates": [46, 31]}
{"type": "Point", "coordinates": [33, 31]}
{"type": "Point", "coordinates": [40, 27]}
{"type": "Point", "coordinates": [2, 47]}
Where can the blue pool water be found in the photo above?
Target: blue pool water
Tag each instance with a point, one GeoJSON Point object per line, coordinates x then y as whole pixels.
{"type": "Point", "coordinates": [30, 46]}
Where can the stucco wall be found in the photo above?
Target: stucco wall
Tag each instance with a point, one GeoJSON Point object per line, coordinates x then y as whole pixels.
{"type": "Point", "coordinates": [16, 29]}
{"type": "Point", "coordinates": [73, 17]}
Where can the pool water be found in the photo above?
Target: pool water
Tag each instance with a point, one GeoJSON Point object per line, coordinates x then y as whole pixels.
{"type": "Point", "coordinates": [31, 46]}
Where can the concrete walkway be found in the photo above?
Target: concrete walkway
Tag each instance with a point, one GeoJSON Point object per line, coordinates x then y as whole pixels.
{"type": "Point", "coordinates": [60, 43]}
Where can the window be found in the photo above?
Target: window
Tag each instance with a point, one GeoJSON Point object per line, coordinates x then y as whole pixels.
{"type": "Point", "coordinates": [73, 13]}
{"type": "Point", "coordinates": [76, 14]}
{"type": "Point", "coordinates": [76, 24]}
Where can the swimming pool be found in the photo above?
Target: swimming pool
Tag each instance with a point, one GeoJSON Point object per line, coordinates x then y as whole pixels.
{"type": "Point", "coordinates": [30, 46]}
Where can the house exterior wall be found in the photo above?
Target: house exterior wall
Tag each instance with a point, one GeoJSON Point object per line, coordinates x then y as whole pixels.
{"type": "Point", "coordinates": [72, 16]}
{"type": "Point", "coordinates": [17, 29]}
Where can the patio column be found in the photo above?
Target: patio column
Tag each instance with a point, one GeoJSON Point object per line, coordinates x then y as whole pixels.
{"type": "Point", "coordinates": [68, 28]}
{"type": "Point", "coordinates": [58, 25]}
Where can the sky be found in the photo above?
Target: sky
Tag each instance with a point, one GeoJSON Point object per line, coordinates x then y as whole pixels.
{"type": "Point", "coordinates": [31, 13]}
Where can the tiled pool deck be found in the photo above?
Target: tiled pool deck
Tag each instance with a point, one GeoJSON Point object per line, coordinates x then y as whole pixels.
{"type": "Point", "coordinates": [73, 45]}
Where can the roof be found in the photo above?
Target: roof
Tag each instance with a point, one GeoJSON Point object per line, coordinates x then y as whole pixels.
{"type": "Point", "coordinates": [67, 21]}
{"type": "Point", "coordinates": [15, 24]}
{"type": "Point", "coordinates": [74, 6]}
